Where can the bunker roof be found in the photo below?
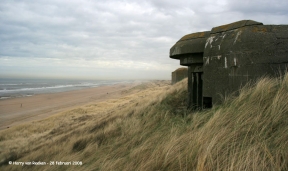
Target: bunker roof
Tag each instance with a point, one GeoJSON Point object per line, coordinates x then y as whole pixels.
{"type": "Point", "coordinates": [234, 25]}
{"type": "Point", "coordinates": [190, 43]}
{"type": "Point", "coordinates": [195, 35]}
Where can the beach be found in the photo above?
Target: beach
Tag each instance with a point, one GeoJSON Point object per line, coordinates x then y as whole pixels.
{"type": "Point", "coordinates": [27, 109]}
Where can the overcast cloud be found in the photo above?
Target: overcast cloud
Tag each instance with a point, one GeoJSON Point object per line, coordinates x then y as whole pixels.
{"type": "Point", "coordinates": [113, 39]}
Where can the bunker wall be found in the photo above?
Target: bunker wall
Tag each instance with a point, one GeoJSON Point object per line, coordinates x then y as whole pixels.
{"type": "Point", "coordinates": [235, 57]}
{"type": "Point", "coordinates": [179, 75]}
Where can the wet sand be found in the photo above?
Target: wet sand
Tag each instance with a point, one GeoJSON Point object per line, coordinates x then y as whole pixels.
{"type": "Point", "coordinates": [26, 109]}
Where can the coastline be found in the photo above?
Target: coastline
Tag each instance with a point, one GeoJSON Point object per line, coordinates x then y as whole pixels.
{"type": "Point", "coordinates": [20, 110]}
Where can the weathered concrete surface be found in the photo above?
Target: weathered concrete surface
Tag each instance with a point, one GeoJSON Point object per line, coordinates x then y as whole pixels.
{"type": "Point", "coordinates": [231, 56]}
{"type": "Point", "coordinates": [234, 57]}
{"type": "Point", "coordinates": [189, 44]}
{"type": "Point", "coordinates": [179, 74]}
{"type": "Point", "coordinates": [234, 25]}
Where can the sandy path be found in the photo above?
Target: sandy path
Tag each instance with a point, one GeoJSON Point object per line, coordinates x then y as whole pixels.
{"type": "Point", "coordinates": [44, 105]}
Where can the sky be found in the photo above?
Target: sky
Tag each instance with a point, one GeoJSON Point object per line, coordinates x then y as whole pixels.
{"type": "Point", "coordinates": [112, 39]}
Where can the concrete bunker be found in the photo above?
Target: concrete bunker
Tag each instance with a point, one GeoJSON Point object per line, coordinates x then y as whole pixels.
{"type": "Point", "coordinates": [222, 60]}
{"type": "Point", "coordinates": [190, 51]}
{"type": "Point", "coordinates": [179, 74]}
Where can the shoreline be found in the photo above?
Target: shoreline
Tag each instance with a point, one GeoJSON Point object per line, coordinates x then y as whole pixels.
{"type": "Point", "coordinates": [15, 111]}
{"type": "Point", "coordinates": [32, 89]}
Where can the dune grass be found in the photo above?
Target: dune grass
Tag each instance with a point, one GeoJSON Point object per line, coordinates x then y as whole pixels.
{"type": "Point", "coordinates": [151, 129]}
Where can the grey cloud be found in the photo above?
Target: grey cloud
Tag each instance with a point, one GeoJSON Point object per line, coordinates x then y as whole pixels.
{"type": "Point", "coordinates": [260, 6]}
{"type": "Point", "coordinates": [141, 31]}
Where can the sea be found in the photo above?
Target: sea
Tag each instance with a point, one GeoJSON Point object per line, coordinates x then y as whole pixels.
{"type": "Point", "coordinates": [12, 88]}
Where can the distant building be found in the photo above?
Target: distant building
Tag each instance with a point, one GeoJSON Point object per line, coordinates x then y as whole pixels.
{"type": "Point", "coordinates": [179, 74]}
{"type": "Point", "coordinates": [222, 60]}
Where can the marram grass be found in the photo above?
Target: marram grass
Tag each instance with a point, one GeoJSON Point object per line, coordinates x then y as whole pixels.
{"type": "Point", "coordinates": [152, 130]}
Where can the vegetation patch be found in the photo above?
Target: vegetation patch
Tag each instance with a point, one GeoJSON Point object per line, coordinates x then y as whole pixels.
{"type": "Point", "coordinates": [247, 132]}
{"type": "Point", "coordinates": [79, 145]}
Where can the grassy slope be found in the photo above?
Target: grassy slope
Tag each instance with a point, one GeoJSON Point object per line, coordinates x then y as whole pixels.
{"type": "Point", "coordinates": [152, 130]}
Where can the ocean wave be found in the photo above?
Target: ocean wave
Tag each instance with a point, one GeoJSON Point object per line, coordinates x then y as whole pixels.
{"type": "Point", "coordinates": [51, 87]}
{"type": "Point", "coordinates": [2, 98]}
{"type": "Point", "coordinates": [9, 84]}
{"type": "Point", "coordinates": [25, 88]}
